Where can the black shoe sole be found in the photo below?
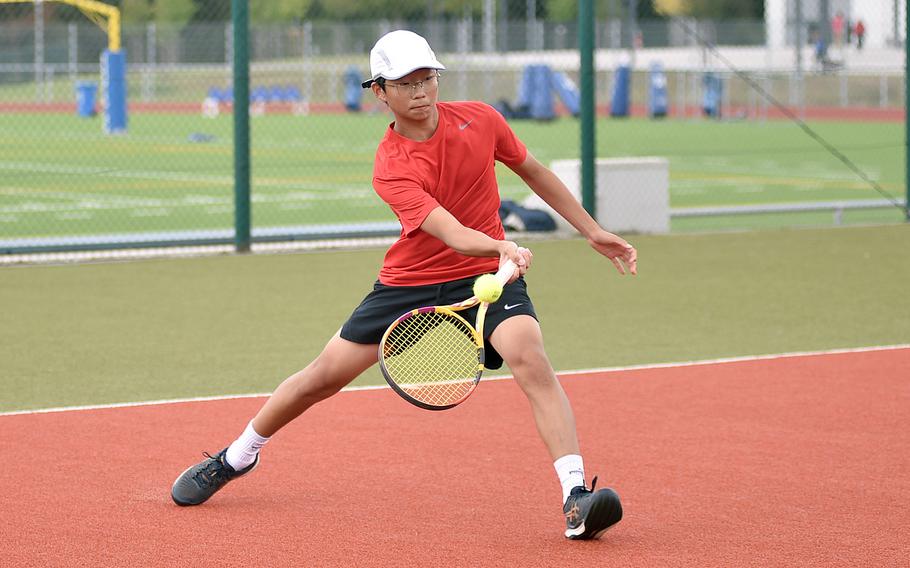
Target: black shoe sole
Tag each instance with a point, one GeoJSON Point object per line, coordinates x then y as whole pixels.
{"type": "Point", "coordinates": [605, 512]}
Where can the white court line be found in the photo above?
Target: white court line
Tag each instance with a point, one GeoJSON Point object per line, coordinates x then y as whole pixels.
{"type": "Point", "coordinates": [699, 363]}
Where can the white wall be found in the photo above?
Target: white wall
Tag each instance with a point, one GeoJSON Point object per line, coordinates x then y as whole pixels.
{"type": "Point", "coordinates": [776, 23]}
{"type": "Point", "coordinates": [877, 15]}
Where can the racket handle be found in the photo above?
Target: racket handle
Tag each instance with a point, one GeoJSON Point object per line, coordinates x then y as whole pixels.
{"type": "Point", "coordinates": [505, 271]}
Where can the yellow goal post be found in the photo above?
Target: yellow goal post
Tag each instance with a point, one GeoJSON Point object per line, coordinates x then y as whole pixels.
{"type": "Point", "coordinates": [113, 60]}
{"type": "Point", "coordinates": [107, 17]}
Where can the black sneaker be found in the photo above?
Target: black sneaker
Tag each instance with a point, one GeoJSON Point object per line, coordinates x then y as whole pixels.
{"type": "Point", "coordinates": [201, 481]}
{"type": "Point", "coordinates": [589, 513]}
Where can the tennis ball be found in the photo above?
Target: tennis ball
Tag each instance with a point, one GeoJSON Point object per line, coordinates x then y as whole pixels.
{"type": "Point", "coordinates": [487, 288]}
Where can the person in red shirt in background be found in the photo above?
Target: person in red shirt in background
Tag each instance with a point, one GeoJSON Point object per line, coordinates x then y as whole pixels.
{"type": "Point", "coordinates": [435, 169]}
{"type": "Point", "coordinates": [860, 30]}
{"type": "Point", "coordinates": [837, 29]}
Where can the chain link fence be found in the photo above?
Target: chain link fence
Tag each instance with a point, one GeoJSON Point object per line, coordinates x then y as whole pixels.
{"type": "Point", "coordinates": [167, 179]}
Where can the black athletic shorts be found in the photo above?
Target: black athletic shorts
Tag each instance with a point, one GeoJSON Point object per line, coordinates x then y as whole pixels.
{"type": "Point", "coordinates": [386, 303]}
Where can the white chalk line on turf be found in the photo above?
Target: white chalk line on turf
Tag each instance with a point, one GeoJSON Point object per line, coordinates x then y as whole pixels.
{"type": "Point", "coordinates": [699, 363]}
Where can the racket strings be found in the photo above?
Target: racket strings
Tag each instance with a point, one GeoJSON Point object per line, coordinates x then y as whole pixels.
{"type": "Point", "coordinates": [433, 358]}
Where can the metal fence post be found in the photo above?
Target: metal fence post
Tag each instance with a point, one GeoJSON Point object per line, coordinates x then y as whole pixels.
{"type": "Point", "coordinates": [72, 31]}
{"type": "Point", "coordinates": [39, 51]}
{"type": "Point", "coordinates": [906, 97]}
{"type": "Point", "coordinates": [240, 19]}
{"type": "Point", "coordinates": [588, 114]}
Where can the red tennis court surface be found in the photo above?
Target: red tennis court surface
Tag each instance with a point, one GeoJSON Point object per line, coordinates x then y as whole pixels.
{"type": "Point", "coordinates": [797, 461]}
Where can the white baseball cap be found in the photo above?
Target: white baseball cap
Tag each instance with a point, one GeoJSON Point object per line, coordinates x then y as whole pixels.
{"type": "Point", "coordinates": [398, 53]}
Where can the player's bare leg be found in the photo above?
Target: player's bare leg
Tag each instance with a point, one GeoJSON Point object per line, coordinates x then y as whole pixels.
{"type": "Point", "coordinates": [520, 342]}
{"type": "Point", "coordinates": [588, 513]}
{"type": "Point", "coordinates": [339, 363]}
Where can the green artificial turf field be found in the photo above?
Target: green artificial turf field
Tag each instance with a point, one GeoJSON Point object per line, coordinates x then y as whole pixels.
{"type": "Point", "coordinates": [174, 172]}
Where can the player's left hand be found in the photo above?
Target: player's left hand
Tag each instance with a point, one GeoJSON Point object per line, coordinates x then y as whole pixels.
{"type": "Point", "coordinates": [528, 256]}
{"type": "Point", "coordinates": [614, 247]}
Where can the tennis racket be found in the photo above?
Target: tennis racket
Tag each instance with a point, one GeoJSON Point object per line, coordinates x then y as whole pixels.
{"type": "Point", "coordinates": [432, 356]}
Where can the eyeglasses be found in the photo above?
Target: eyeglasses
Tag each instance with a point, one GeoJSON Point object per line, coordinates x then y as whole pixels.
{"type": "Point", "coordinates": [412, 88]}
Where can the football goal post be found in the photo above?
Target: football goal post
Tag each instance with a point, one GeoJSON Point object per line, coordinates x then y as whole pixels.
{"type": "Point", "coordinates": [113, 59]}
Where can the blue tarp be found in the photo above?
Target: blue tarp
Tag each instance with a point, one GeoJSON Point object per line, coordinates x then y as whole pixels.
{"type": "Point", "coordinates": [535, 94]}
{"type": "Point", "coordinates": [567, 91]}
{"type": "Point", "coordinates": [538, 96]}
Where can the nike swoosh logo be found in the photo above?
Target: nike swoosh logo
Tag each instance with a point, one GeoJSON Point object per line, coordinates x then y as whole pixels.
{"type": "Point", "coordinates": [465, 125]}
{"type": "Point", "coordinates": [508, 307]}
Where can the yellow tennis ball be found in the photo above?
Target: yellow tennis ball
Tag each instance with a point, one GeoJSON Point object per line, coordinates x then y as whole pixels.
{"type": "Point", "coordinates": [487, 288]}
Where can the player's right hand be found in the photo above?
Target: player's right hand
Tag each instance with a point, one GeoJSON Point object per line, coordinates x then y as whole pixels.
{"type": "Point", "coordinates": [511, 251]}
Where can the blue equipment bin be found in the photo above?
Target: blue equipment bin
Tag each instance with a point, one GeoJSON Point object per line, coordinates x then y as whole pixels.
{"type": "Point", "coordinates": [86, 95]}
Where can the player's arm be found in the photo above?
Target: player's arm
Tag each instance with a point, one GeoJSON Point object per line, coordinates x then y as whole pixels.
{"type": "Point", "coordinates": [469, 242]}
{"type": "Point", "coordinates": [550, 188]}
{"type": "Point", "coordinates": [416, 209]}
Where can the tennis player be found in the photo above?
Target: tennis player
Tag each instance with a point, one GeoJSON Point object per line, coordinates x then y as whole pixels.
{"type": "Point", "coordinates": [435, 168]}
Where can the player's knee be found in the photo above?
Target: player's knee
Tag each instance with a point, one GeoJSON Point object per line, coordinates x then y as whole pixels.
{"type": "Point", "coordinates": [318, 381]}
{"type": "Point", "coordinates": [531, 367]}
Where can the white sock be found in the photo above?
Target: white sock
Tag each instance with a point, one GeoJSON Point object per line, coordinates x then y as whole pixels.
{"type": "Point", "coordinates": [571, 472]}
{"type": "Point", "coordinates": [244, 450]}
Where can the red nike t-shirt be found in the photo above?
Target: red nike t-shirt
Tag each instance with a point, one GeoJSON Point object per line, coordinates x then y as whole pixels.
{"type": "Point", "coordinates": [453, 169]}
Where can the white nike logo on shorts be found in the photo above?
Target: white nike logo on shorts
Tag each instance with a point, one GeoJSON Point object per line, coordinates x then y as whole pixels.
{"type": "Point", "coordinates": [508, 307]}
{"type": "Point", "coordinates": [465, 125]}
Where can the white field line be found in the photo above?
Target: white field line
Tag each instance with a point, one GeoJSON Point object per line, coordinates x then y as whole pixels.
{"type": "Point", "coordinates": [220, 142]}
{"type": "Point", "coordinates": [158, 175]}
{"type": "Point", "coordinates": [699, 363]}
{"type": "Point", "coordinates": [97, 202]}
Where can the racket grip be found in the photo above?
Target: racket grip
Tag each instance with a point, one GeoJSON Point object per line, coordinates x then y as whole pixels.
{"type": "Point", "coordinates": [505, 271]}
